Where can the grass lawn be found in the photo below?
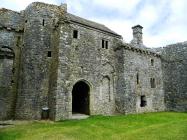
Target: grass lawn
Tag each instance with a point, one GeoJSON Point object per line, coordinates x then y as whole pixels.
{"type": "Point", "coordinates": [150, 126]}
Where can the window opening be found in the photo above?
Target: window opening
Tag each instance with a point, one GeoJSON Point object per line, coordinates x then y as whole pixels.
{"type": "Point", "coordinates": [152, 62]}
{"type": "Point", "coordinates": [75, 34]}
{"type": "Point", "coordinates": [143, 101]}
{"type": "Point", "coordinates": [152, 82]}
{"type": "Point", "coordinates": [49, 54]}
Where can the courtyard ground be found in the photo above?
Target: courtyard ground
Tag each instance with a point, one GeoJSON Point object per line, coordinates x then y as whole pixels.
{"type": "Point", "coordinates": [149, 126]}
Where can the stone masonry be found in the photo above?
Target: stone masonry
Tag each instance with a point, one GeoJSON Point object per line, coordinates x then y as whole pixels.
{"type": "Point", "coordinates": [54, 64]}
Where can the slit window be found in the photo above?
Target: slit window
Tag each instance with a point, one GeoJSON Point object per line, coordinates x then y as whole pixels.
{"type": "Point", "coordinates": [152, 82]}
{"type": "Point", "coordinates": [143, 101]}
{"type": "Point", "coordinates": [152, 62]}
{"type": "Point", "coordinates": [104, 44]}
{"type": "Point", "coordinates": [137, 78]}
{"type": "Point", "coordinates": [49, 54]}
{"type": "Point", "coordinates": [75, 34]}
{"type": "Point", "coordinates": [43, 22]}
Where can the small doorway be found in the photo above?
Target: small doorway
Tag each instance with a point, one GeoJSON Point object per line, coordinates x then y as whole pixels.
{"type": "Point", "coordinates": [80, 98]}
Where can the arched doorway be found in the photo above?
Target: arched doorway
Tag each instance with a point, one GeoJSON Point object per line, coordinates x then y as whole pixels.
{"type": "Point", "coordinates": [80, 98]}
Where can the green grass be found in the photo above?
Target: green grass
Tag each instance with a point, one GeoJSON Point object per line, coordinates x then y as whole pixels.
{"type": "Point", "coordinates": [150, 126]}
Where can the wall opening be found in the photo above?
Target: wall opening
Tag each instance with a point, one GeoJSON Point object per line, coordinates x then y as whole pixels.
{"type": "Point", "coordinates": [75, 34]}
{"type": "Point", "coordinates": [49, 54]}
{"type": "Point", "coordinates": [152, 62]}
{"type": "Point", "coordinates": [104, 44]}
{"type": "Point", "coordinates": [143, 101]}
{"type": "Point", "coordinates": [152, 82]}
{"type": "Point", "coordinates": [43, 22]}
{"type": "Point", "coordinates": [80, 98]}
{"type": "Point", "coordinates": [137, 79]}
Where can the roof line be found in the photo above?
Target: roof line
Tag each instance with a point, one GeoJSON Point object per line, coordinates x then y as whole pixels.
{"type": "Point", "coordinates": [96, 28]}
{"type": "Point", "coordinates": [130, 47]}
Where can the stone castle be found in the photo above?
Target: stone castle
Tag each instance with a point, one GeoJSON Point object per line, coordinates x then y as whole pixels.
{"type": "Point", "coordinates": [54, 64]}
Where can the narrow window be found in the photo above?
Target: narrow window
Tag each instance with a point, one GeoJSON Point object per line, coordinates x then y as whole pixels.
{"type": "Point", "coordinates": [143, 101]}
{"type": "Point", "coordinates": [137, 78]}
{"type": "Point", "coordinates": [106, 44]}
{"type": "Point", "coordinates": [25, 21]}
{"type": "Point", "coordinates": [152, 82]}
{"type": "Point", "coordinates": [103, 43]}
{"type": "Point", "coordinates": [13, 70]}
{"type": "Point", "coordinates": [152, 62]}
{"type": "Point", "coordinates": [49, 54]}
{"type": "Point", "coordinates": [75, 34]}
{"type": "Point", "coordinates": [43, 22]}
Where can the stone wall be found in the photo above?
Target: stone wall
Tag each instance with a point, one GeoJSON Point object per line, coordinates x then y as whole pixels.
{"type": "Point", "coordinates": [84, 59]}
{"type": "Point", "coordinates": [38, 55]}
{"type": "Point", "coordinates": [10, 36]}
{"type": "Point", "coordinates": [174, 66]}
{"type": "Point", "coordinates": [6, 95]}
{"type": "Point", "coordinates": [134, 73]}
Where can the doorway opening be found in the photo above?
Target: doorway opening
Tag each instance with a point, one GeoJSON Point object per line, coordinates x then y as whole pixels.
{"type": "Point", "coordinates": [80, 98]}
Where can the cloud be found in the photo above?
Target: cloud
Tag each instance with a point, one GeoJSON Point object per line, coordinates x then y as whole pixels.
{"type": "Point", "coordinates": [164, 21]}
{"type": "Point", "coordinates": [122, 5]}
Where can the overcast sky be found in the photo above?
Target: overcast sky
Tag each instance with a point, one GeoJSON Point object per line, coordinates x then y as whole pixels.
{"type": "Point", "coordinates": [164, 21]}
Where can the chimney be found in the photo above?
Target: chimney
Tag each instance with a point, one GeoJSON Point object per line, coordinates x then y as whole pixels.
{"type": "Point", "coordinates": [137, 35]}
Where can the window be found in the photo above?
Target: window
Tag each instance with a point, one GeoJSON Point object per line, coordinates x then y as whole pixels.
{"type": "Point", "coordinates": [143, 101]}
{"type": "Point", "coordinates": [152, 82]}
{"type": "Point", "coordinates": [152, 62]}
{"type": "Point", "coordinates": [137, 78]}
{"type": "Point", "coordinates": [49, 54]}
{"type": "Point", "coordinates": [13, 70]}
{"type": "Point", "coordinates": [43, 22]}
{"type": "Point", "coordinates": [104, 44]}
{"type": "Point", "coordinates": [75, 34]}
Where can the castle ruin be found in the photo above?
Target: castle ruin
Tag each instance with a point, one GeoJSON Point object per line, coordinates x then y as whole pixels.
{"type": "Point", "coordinates": [55, 62]}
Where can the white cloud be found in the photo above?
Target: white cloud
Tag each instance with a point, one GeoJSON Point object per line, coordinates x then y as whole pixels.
{"type": "Point", "coordinates": [148, 16]}
{"type": "Point", "coordinates": [124, 6]}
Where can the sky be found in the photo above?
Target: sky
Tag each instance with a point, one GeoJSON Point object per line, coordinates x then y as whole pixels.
{"type": "Point", "coordinates": [164, 21]}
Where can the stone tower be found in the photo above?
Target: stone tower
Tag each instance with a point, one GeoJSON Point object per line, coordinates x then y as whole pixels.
{"type": "Point", "coordinates": [39, 54]}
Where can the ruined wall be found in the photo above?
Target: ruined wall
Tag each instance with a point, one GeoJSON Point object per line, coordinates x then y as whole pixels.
{"type": "Point", "coordinates": [10, 37]}
{"type": "Point", "coordinates": [38, 54]}
{"type": "Point", "coordinates": [134, 73]}
{"type": "Point", "coordinates": [85, 59]}
{"type": "Point", "coordinates": [174, 66]}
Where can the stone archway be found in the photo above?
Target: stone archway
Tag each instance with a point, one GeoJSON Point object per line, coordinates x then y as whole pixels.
{"type": "Point", "coordinates": [80, 98]}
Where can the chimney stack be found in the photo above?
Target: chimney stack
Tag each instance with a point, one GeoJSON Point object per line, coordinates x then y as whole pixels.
{"type": "Point", "coordinates": [137, 35]}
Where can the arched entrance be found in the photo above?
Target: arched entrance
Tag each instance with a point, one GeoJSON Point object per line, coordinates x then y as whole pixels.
{"type": "Point", "coordinates": [80, 98]}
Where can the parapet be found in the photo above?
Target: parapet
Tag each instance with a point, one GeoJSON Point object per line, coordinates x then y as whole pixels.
{"type": "Point", "coordinates": [11, 20]}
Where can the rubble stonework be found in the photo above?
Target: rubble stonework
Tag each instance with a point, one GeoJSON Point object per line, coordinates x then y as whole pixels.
{"type": "Point", "coordinates": [54, 64]}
